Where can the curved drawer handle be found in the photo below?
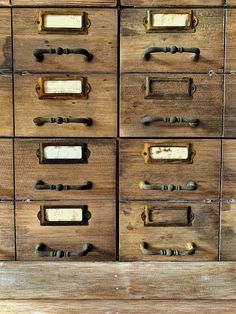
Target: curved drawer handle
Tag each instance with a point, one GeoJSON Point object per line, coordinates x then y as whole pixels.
{"type": "Point", "coordinates": [146, 120]}
{"type": "Point", "coordinates": [39, 53]}
{"type": "Point", "coordinates": [190, 186]}
{"type": "Point", "coordinates": [189, 250]}
{"type": "Point", "coordinates": [40, 185]}
{"type": "Point", "coordinates": [41, 250]}
{"type": "Point", "coordinates": [39, 121]}
{"type": "Point", "coordinates": [195, 51]}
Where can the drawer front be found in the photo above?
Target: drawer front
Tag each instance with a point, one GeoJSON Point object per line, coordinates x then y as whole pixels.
{"type": "Point", "coordinates": [135, 41]}
{"type": "Point", "coordinates": [51, 175]}
{"type": "Point", "coordinates": [228, 232]}
{"type": "Point", "coordinates": [45, 100]}
{"type": "Point", "coordinates": [171, 105]}
{"type": "Point", "coordinates": [180, 232]}
{"type": "Point", "coordinates": [229, 169]}
{"type": "Point", "coordinates": [7, 239]}
{"type": "Point", "coordinates": [5, 40]}
{"type": "Point", "coordinates": [230, 40]}
{"type": "Point", "coordinates": [99, 40]}
{"type": "Point", "coordinates": [230, 107]}
{"type": "Point", "coordinates": [6, 126]}
{"type": "Point", "coordinates": [96, 238]}
{"type": "Point", "coordinates": [6, 169]}
{"type": "Point", "coordinates": [164, 169]}
{"type": "Point", "coordinates": [61, 3]}
{"type": "Point", "coordinates": [172, 3]}
{"type": "Point", "coordinates": [231, 2]}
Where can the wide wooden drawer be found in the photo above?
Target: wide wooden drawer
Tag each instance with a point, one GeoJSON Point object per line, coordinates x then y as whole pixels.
{"type": "Point", "coordinates": [7, 239]}
{"type": "Point", "coordinates": [65, 169]}
{"type": "Point", "coordinates": [5, 40]}
{"type": "Point", "coordinates": [170, 169]}
{"type": "Point", "coordinates": [230, 40]}
{"type": "Point", "coordinates": [171, 105]}
{"type": "Point", "coordinates": [6, 170]}
{"type": "Point", "coordinates": [6, 107]}
{"type": "Point", "coordinates": [168, 231]}
{"type": "Point", "coordinates": [55, 228]}
{"type": "Point", "coordinates": [62, 3]}
{"type": "Point", "coordinates": [229, 169]}
{"type": "Point", "coordinates": [228, 232]}
{"type": "Point", "coordinates": [92, 42]}
{"type": "Point", "coordinates": [193, 44]}
{"type": "Point", "coordinates": [54, 109]}
{"type": "Point", "coordinates": [172, 3]}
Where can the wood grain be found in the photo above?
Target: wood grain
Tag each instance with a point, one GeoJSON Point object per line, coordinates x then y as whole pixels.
{"type": "Point", "coordinates": [62, 3]}
{"type": "Point", "coordinates": [205, 105]}
{"type": "Point", "coordinates": [7, 232]}
{"type": "Point", "coordinates": [228, 232]}
{"type": "Point", "coordinates": [230, 108]}
{"type": "Point", "coordinates": [231, 2]}
{"type": "Point", "coordinates": [230, 40]}
{"type": "Point", "coordinates": [208, 38]}
{"type": "Point", "coordinates": [5, 39]}
{"type": "Point", "coordinates": [172, 3]}
{"type": "Point", "coordinates": [229, 169]}
{"type": "Point", "coordinates": [6, 106]}
{"type": "Point", "coordinates": [6, 170]}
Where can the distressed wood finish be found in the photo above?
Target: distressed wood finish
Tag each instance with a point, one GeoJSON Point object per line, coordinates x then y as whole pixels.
{"type": "Point", "coordinates": [62, 3]}
{"type": "Point", "coordinates": [205, 105]}
{"type": "Point", "coordinates": [230, 40]}
{"type": "Point", "coordinates": [172, 3]}
{"type": "Point", "coordinates": [4, 2]}
{"type": "Point", "coordinates": [208, 38]}
{"type": "Point", "coordinates": [230, 107]}
{"type": "Point", "coordinates": [231, 2]}
{"type": "Point", "coordinates": [205, 171]}
{"type": "Point", "coordinates": [101, 107]}
{"type": "Point", "coordinates": [6, 170]}
{"type": "Point", "coordinates": [6, 107]}
{"type": "Point", "coordinates": [100, 232]}
{"type": "Point", "coordinates": [101, 41]}
{"type": "Point", "coordinates": [229, 170]}
{"type": "Point", "coordinates": [5, 40]}
{"type": "Point", "coordinates": [7, 232]}
{"type": "Point", "coordinates": [228, 232]}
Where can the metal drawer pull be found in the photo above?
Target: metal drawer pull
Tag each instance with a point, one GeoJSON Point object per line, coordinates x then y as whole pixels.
{"type": "Point", "coordinates": [195, 51]}
{"type": "Point", "coordinates": [41, 250]}
{"type": "Point", "coordinates": [39, 53]}
{"type": "Point", "coordinates": [189, 250]}
{"type": "Point", "coordinates": [149, 119]}
{"type": "Point", "coordinates": [39, 121]}
{"type": "Point", "coordinates": [190, 186]}
{"type": "Point", "coordinates": [40, 185]}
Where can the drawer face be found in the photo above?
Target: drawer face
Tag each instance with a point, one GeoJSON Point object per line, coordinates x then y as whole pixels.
{"type": "Point", "coordinates": [164, 169]}
{"type": "Point", "coordinates": [147, 99]}
{"type": "Point", "coordinates": [230, 106]}
{"type": "Point", "coordinates": [99, 231]}
{"type": "Point", "coordinates": [100, 41]}
{"type": "Point", "coordinates": [6, 169]}
{"type": "Point", "coordinates": [6, 126]}
{"type": "Point", "coordinates": [230, 40]}
{"type": "Point", "coordinates": [154, 3]}
{"type": "Point", "coordinates": [135, 42]}
{"type": "Point", "coordinates": [62, 2]}
{"type": "Point", "coordinates": [57, 177]}
{"type": "Point", "coordinates": [99, 104]}
{"type": "Point", "coordinates": [5, 39]}
{"type": "Point", "coordinates": [229, 169]}
{"type": "Point", "coordinates": [228, 232]}
{"type": "Point", "coordinates": [7, 240]}
{"type": "Point", "coordinates": [162, 230]}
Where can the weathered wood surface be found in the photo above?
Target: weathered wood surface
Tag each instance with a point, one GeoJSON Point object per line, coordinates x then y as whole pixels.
{"type": "Point", "coordinates": [172, 3]}
{"type": "Point", "coordinates": [6, 166]}
{"type": "Point", "coordinates": [62, 3]}
{"type": "Point", "coordinates": [228, 232]}
{"type": "Point", "coordinates": [230, 108]}
{"type": "Point", "coordinates": [6, 105]}
{"type": "Point", "coordinates": [5, 39]}
{"type": "Point", "coordinates": [231, 39]}
{"type": "Point", "coordinates": [7, 232]}
{"type": "Point", "coordinates": [229, 169]}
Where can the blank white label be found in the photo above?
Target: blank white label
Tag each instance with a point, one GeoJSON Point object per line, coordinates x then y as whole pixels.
{"type": "Point", "coordinates": [160, 152]}
{"type": "Point", "coordinates": [62, 152]}
{"type": "Point", "coordinates": [63, 21]}
{"type": "Point", "coordinates": [63, 214]}
{"type": "Point", "coordinates": [63, 87]}
{"type": "Point", "coordinates": [171, 20]}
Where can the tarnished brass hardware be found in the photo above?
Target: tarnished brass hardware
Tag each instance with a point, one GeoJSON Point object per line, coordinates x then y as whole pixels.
{"type": "Point", "coordinates": [39, 53]}
{"type": "Point", "coordinates": [189, 250]}
{"type": "Point", "coordinates": [190, 186]}
{"type": "Point", "coordinates": [40, 185]}
{"type": "Point", "coordinates": [173, 50]}
{"type": "Point", "coordinates": [39, 121]}
{"type": "Point", "coordinates": [42, 250]}
{"type": "Point", "coordinates": [147, 120]}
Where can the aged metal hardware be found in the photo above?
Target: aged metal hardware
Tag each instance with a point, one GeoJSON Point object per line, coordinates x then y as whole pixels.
{"type": "Point", "coordinates": [59, 153]}
{"type": "Point", "coordinates": [68, 215]}
{"type": "Point", "coordinates": [40, 185]}
{"type": "Point", "coordinates": [39, 121]}
{"type": "Point", "coordinates": [42, 250]}
{"type": "Point", "coordinates": [189, 250]}
{"type": "Point", "coordinates": [70, 21]}
{"type": "Point", "coordinates": [64, 87]}
{"type": "Point", "coordinates": [170, 21]}
{"type": "Point", "coordinates": [39, 53]}
{"type": "Point", "coordinates": [160, 216]}
{"type": "Point", "coordinates": [168, 153]}
{"type": "Point", "coordinates": [147, 120]}
{"type": "Point", "coordinates": [195, 51]}
{"type": "Point", "coordinates": [190, 186]}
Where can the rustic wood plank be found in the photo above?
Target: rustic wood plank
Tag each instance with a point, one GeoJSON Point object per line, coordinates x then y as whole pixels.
{"type": "Point", "coordinates": [230, 108]}
{"type": "Point", "coordinates": [6, 170]}
{"type": "Point", "coordinates": [7, 231]}
{"type": "Point", "coordinates": [231, 39]}
{"type": "Point", "coordinates": [6, 106]}
{"type": "Point", "coordinates": [228, 232]}
{"type": "Point", "coordinates": [229, 169]}
{"type": "Point", "coordinates": [172, 3]}
{"type": "Point", "coordinates": [5, 39]}
{"type": "Point", "coordinates": [61, 3]}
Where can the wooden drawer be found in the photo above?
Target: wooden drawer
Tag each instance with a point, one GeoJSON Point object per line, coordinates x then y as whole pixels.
{"type": "Point", "coordinates": [170, 169]}
{"type": "Point", "coordinates": [229, 169]}
{"type": "Point", "coordinates": [228, 232]}
{"type": "Point", "coordinates": [99, 38]}
{"type": "Point", "coordinates": [98, 103]}
{"type": "Point", "coordinates": [61, 3]}
{"type": "Point", "coordinates": [230, 40]}
{"type": "Point", "coordinates": [150, 103]}
{"type": "Point", "coordinates": [5, 40]}
{"type": "Point", "coordinates": [44, 173]}
{"type": "Point", "coordinates": [4, 2]}
{"type": "Point", "coordinates": [230, 107]}
{"type": "Point", "coordinates": [6, 108]}
{"type": "Point", "coordinates": [172, 3]}
{"type": "Point", "coordinates": [6, 170]}
{"type": "Point", "coordinates": [7, 239]}
{"type": "Point", "coordinates": [98, 230]}
{"type": "Point", "coordinates": [148, 227]}
{"type": "Point", "coordinates": [208, 37]}
{"type": "Point", "coordinates": [231, 2]}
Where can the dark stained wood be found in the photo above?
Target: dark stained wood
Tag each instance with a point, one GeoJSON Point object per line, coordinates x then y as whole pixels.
{"type": "Point", "coordinates": [230, 107]}
{"type": "Point", "coordinates": [6, 106]}
{"type": "Point", "coordinates": [6, 170]}
{"type": "Point", "coordinates": [230, 39]}
{"type": "Point", "coordinates": [228, 232]}
{"type": "Point", "coordinates": [172, 3]}
{"type": "Point", "coordinates": [7, 232]}
{"type": "Point", "coordinates": [62, 3]}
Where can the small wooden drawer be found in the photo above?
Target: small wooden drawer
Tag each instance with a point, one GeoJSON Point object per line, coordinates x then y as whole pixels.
{"type": "Point", "coordinates": [192, 40]}
{"type": "Point", "coordinates": [152, 231]}
{"type": "Point", "coordinates": [5, 40]}
{"type": "Point", "coordinates": [171, 105]}
{"type": "Point", "coordinates": [65, 169]}
{"type": "Point", "coordinates": [61, 3]}
{"type": "Point", "coordinates": [228, 232]}
{"type": "Point", "coordinates": [6, 107]}
{"type": "Point", "coordinates": [55, 228]}
{"type": "Point", "coordinates": [172, 3]}
{"type": "Point", "coordinates": [89, 45]}
{"type": "Point", "coordinates": [229, 169]}
{"type": "Point", "coordinates": [230, 40]}
{"type": "Point", "coordinates": [56, 104]}
{"type": "Point", "coordinates": [6, 170]}
{"type": "Point", "coordinates": [170, 169]}
{"type": "Point", "coordinates": [7, 239]}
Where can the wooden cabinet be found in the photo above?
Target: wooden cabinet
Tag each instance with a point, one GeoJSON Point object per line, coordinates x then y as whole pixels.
{"type": "Point", "coordinates": [62, 3]}
{"type": "Point", "coordinates": [173, 3]}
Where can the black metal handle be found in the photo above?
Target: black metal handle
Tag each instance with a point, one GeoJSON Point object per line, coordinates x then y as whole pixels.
{"type": "Point", "coordinates": [39, 53]}
{"type": "Point", "coordinates": [41, 250]}
{"type": "Point", "coordinates": [190, 186]}
{"type": "Point", "coordinates": [40, 185]}
{"type": "Point", "coordinates": [195, 51]}
{"type": "Point", "coordinates": [39, 121]}
{"type": "Point", "coordinates": [146, 120]}
{"type": "Point", "coordinates": [189, 250]}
